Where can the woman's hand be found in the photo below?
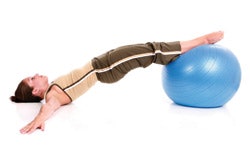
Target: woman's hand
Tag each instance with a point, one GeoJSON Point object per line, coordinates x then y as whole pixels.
{"type": "Point", "coordinates": [45, 112]}
{"type": "Point", "coordinates": [55, 99]}
{"type": "Point", "coordinates": [32, 126]}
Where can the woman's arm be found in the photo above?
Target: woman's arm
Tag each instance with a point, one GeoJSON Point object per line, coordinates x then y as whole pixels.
{"type": "Point", "coordinates": [45, 112]}
{"type": "Point", "coordinates": [54, 100]}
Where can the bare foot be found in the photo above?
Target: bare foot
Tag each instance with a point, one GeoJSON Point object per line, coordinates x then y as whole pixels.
{"type": "Point", "coordinates": [210, 38]}
{"type": "Point", "coordinates": [213, 37]}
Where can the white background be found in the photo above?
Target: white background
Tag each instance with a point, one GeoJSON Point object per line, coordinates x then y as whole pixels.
{"type": "Point", "coordinates": [133, 116]}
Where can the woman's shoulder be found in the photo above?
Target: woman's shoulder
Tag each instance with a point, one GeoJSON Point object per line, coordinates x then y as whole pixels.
{"type": "Point", "coordinates": [55, 93]}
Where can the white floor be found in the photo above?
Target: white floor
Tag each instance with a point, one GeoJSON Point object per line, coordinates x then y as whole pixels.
{"type": "Point", "coordinates": [133, 116]}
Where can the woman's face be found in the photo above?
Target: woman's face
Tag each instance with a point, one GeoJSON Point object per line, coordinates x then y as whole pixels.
{"type": "Point", "coordinates": [37, 81]}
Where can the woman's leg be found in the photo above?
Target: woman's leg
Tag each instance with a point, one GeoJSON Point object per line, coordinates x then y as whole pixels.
{"type": "Point", "coordinates": [210, 38]}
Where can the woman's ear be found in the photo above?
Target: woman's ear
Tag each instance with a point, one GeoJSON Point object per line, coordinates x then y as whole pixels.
{"type": "Point", "coordinates": [36, 92]}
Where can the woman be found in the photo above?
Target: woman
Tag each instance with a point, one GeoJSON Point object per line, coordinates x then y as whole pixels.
{"type": "Point", "coordinates": [108, 68]}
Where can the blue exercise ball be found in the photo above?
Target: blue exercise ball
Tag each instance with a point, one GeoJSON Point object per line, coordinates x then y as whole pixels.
{"type": "Point", "coordinates": [207, 76]}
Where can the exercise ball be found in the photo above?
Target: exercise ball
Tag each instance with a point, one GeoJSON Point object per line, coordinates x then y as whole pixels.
{"type": "Point", "coordinates": [207, 76]}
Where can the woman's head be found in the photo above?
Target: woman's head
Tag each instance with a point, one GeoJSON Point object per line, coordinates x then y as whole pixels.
{"type": "Point", "coordinates": [31, 89]}
{"type": "Point", "coordinates": [23, 93]}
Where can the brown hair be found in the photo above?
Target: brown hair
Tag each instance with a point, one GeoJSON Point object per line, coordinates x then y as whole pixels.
{"type": "Point", "coordinates": [23, 93]}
